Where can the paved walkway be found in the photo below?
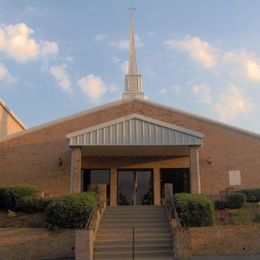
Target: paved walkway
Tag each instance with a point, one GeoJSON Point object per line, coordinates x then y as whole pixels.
{"type": "Point", "coordinates": [226, 257]}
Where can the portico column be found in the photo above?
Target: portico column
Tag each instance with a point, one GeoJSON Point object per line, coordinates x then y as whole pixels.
{"type": "Point", "coordinates": [113, 187]}
{"type": "Point", "coordinates": [157, 186]}
{"type": "Point", "coordinates": [75, 185]}
{"type": "Point", "coordinates": [194, 170]}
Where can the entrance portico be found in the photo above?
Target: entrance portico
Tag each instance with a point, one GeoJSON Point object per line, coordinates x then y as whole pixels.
{"type": "Point", "coordinates": [135, 142]}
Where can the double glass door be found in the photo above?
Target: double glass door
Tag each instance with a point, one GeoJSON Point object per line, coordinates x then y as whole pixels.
{"type": "Point", "coordinates": [135, 187]}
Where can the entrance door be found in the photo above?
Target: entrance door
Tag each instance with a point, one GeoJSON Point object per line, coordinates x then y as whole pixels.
{"type": "Point", "coordinates": [135, 187]}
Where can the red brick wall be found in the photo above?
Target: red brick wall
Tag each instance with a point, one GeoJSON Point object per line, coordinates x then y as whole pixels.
{"type": "Point", "coordinates": [33, 158]}
{"type": "Point", "coordinates": [35, 243]}
{"type": "Point", "coordinates": [235, 239]}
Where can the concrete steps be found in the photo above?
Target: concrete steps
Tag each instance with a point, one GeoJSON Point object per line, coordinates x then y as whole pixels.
{"type": "Point", "coordinates": [153, 239]}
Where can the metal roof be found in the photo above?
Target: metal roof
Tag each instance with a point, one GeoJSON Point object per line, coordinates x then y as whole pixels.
{"type": "Point", "coordinates": [135, 130]}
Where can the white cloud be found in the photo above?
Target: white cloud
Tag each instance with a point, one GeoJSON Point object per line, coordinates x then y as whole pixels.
{"type": "Point", "coordinates": [233, 103]}
{"type": "Point", "coordinates": [243, 63]}
{"type": "Point", "coordinates": [62, 77]}
{"type": "Point", "coordinates": [200, 51]}
{"type": "Point", "coordinates": [203, 92]}
{"type": "Point", "coordinates": [17, 42]}
{"type": "Point", "coordinates": [253, 70]}
{"type": "Point", "coordinates": [49, 48]}
{"type": "Point", "coordinates": [5, 75]}
{"type": "Point", "coordinates": [93, 86]}
{"type": "Point", "coordinates": [161, 91]}
{"type": "Point", "coordinates": [100, 37]}
{"type": "Point", "coordinates": [176, 88]}
{"type": "Point", "coordinates": [124, 44]}
{"type": "Point", "coordinates": [123, 65]}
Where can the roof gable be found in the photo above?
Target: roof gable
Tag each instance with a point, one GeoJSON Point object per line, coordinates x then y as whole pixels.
{"type": "Point", "coordinates": [135, 130]}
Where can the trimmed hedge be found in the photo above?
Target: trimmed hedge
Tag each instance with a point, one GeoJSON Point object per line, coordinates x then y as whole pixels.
{"type": "Point", "coordinates": [194, 210]}
{"type": "Point", "coordinates": [220, 204]}
{"type": "Point", "coordinates": [233, 201]}
{"type": "Point", "coordinates": [10, 196]}
{"type": "Point", "coordinates": [236, 200]}
{"type": "Point", "coordinates": [71, 211]}
{"type": "Point", "coordinates": [252, 195]}
{"type": "Point", "coordinates": [31, 204]}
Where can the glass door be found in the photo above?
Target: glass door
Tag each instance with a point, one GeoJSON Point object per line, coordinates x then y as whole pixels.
{"type": "Point", "coordinates": [135, 187]}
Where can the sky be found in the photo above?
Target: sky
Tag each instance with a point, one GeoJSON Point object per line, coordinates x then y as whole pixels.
{"type": "Point", "coordinates": [58, 58]}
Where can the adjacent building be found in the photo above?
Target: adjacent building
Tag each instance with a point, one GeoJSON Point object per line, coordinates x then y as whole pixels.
{"type": "Point", "coordinates": [9, 122]}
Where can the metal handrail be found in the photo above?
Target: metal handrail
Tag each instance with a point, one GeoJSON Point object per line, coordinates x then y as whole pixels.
{"type": "Point", "coordinates": [91, 215]}
{"type": "Point", "coordinates": [175, 213]}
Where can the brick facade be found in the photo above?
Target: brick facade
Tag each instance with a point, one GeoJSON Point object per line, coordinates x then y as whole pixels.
{"type": "Point", "coordinates": [36, 243]}
{"type": "Point", "coordinates": [233, 239]}
{"type": "Point", "coordinates": [32, 158]}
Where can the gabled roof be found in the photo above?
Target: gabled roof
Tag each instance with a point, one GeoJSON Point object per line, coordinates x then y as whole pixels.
{"type": "Point", "coordinates": [119, 102]}
{"type": "Point", "coordinates": [12, 114]}
{"type": "Point", "coordinates": [135, 130]}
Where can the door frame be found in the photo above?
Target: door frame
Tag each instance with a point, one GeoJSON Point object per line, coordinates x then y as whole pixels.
{"type": "Point", "coordinates": [134, 170]}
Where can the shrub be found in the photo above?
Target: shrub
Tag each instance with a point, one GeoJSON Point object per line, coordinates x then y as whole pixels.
{"type": "Point", "coordinates": [220, 204]}
{"type": "Point", "coordinates": [235, 200]}
{"type": "Point", "coordinates": [71, 211]}
{"type": "Point", "coordinates": [31, 204]}
{"type": "Point", "coordinates": [9, 196]}
{"type": "Point", "coordinates": [194, 209]}
{"type": "Point", "coordinates": [252, 195]}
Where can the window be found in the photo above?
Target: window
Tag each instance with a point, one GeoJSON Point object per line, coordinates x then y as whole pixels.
{"type": "Point", "coordinates": [179, 177]}
{"type": "Point", "coordinates": [92, 177]}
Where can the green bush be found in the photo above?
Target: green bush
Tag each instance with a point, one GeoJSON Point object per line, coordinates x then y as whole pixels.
{"type": "Point", "coordinates": [252, 195]}
{"type": "Point", "coordinates": [194, 210]}
{"type": "Point", "coordinates": [220, 204]}
{"type": "Point", "coordinates": [31, 204]}
{"type": "Point", "coordinates": [235, 200]}
{"type": "Point", "coordinates": [9, 196]}
{"type": "Point", "coordinates": [71, 211]}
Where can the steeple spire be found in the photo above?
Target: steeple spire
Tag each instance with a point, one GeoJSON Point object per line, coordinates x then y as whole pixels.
{"type": "Point", "coordinates": [133, 80]}
{"type": "Point", "coordinates": [132, 66]}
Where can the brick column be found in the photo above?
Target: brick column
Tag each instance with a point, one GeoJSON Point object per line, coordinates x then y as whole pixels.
{"type": "Point", "coordinates": [157, 186]}
{"type": "Point", "coordinates": [75, 185]}
{"type": "Point", "coordinates": [84, 244]}
{"type": "Point", "coordinates": [113, 187]}
{"type": "Point", "coordinates": [194, 170]}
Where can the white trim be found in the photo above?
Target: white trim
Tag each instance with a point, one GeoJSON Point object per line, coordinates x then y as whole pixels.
{"type": "Point", "coordinates": [125, 101]}
{"type": "Point", "coordinates": [135, 116]}
{"type": "Point", "coordinates": [12, 114]}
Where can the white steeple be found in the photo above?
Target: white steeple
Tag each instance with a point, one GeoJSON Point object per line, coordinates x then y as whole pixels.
{"type": "Point", "coordinates": [133, 80]}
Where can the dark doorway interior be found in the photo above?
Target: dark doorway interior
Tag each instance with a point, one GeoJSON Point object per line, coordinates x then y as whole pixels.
{"type": "Point", "coordinates": [135, 187]}
{"type": "Point", "coordinates": [92, 177]}
{"type": "Point", "coordinates": [179, 177]}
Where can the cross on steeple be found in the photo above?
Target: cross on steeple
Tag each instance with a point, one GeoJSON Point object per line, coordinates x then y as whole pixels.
{"type": "Point", "coordinates": [133, 81]}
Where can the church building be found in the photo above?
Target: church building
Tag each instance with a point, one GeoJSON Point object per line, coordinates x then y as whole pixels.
{"type": "Point", "coordinates": [135, 146]}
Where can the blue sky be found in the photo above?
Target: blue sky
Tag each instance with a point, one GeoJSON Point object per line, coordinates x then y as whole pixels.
{"type": "Point", "coordinates": [61, 57]}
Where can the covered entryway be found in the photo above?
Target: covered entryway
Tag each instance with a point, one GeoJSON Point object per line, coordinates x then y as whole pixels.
{"type": "Point", "coordinates": [134, 149]}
